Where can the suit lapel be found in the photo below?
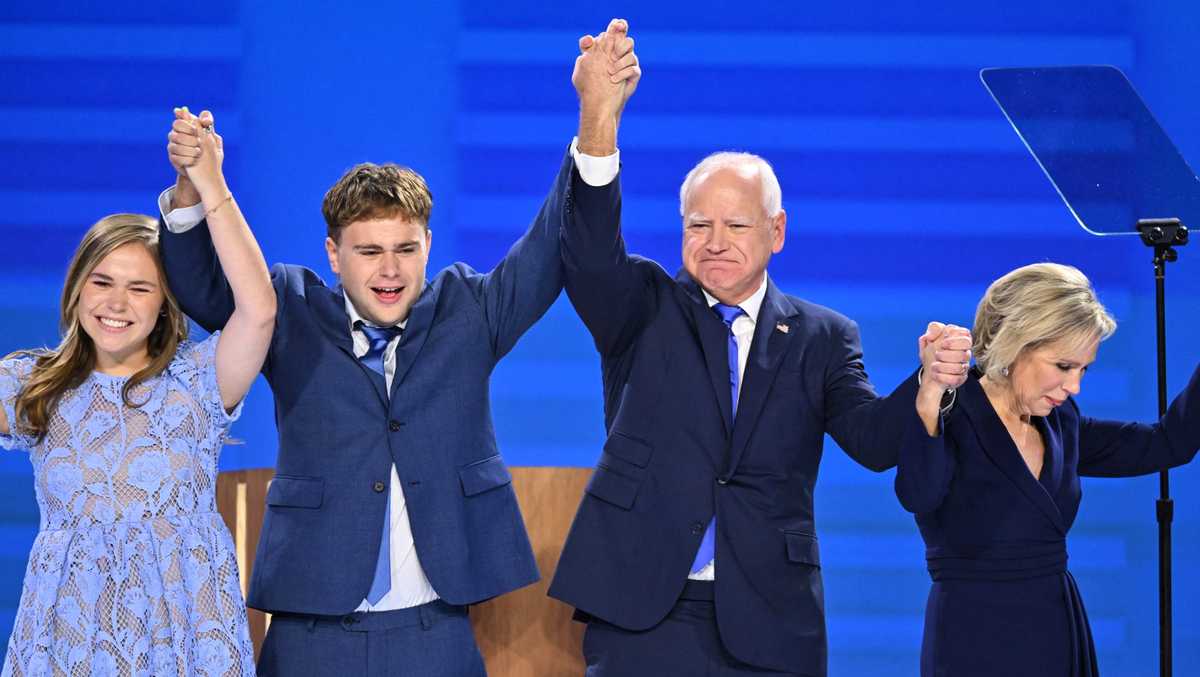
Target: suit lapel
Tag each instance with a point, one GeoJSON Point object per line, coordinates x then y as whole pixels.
{"type": "Point", "coordinates": [1000, 448]}
{"type": "Point", "coordinates": [416, 330]}
{"type": "Point", "coordinates": [329, 307]}
{"type": "Point", "coordinates": [769, 345]}
{"type": "Point", "coordinates": [713, 337]}
{"type": "Point", "coordinates": [1052, 467]}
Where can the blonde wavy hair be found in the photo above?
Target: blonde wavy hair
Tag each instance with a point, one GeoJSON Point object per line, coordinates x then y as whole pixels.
{"type": "Point", "coordinates": [65, 367]}
{"type": "Point", "coordinates": [1033, 306]}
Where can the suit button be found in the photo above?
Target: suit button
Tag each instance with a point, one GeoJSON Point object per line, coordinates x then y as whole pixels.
{"type": "Point", "coordinates": [379, 487]}
{"type": "Point", "coordinates": [395, 426]}
{"type": "Point", "coordinates": [722, 481]}
{"type": "Point", "coordinates": [697, 527]}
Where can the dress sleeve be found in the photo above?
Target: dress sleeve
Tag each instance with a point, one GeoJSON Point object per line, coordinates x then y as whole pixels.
{"type": "Point", "coordinates": [1118, 449]}
{"type": "Point", "coordinates": [195, 365]}
{"type": "Point", "coordinates": [13, 373]}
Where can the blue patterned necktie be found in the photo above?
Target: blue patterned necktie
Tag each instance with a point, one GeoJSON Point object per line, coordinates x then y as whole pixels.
{"type": "Point", "coordinates": [708, 545]}
{"type": "Point", "coordinates": [379, 338]}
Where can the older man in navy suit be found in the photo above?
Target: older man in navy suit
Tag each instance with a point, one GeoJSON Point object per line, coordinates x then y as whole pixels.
{"type": "Point", "coordinates": [391, 509]}
{"type": "Point", "coordinates": [694, 550]}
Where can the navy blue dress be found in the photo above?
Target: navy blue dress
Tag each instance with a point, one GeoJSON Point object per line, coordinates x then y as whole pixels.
{"type": "Point", "coordinates": [1002, 601]}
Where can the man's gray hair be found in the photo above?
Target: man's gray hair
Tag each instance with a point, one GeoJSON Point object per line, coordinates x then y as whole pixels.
{"type": "Point", "coordinates": [743, 163]}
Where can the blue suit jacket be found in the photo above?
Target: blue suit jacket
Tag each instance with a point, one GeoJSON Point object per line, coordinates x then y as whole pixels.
{"type": "Point", "coordinates": [339, 433]}
{"type": "Point", "coordinates": [674, 457]}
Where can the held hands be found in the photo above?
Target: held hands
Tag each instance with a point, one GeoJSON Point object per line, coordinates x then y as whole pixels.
{"type": "Point", "coordinates": [945, 352]}
{"type": "Point", "coordinates": [197, 153]}
{"type": "Point", "coordinates": [605, 76]}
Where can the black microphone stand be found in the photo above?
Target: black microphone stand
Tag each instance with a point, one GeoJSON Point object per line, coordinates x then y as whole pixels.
{"type": "Point", "coordinates": [1163, 235]}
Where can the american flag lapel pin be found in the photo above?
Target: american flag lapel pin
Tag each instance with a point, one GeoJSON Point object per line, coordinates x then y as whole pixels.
{"type": "Point", "coordinates": [779, 326]}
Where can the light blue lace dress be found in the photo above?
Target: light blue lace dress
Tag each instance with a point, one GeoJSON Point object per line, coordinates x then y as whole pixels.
{"type": "Point", "coordinates": [133, 572]}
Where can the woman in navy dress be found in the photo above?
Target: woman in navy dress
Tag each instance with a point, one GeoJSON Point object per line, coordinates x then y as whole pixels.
{"type": "Point", "coordinates": [995, 484]}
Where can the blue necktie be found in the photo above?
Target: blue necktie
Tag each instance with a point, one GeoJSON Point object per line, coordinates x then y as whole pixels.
{"type": "Point", "coordinates": [708, 545]}
{"type": "Point", "coordinates": [379, 338]}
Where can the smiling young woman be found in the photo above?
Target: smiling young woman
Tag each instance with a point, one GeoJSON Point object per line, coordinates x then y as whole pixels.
{"type": "Point", "coordinates": [133, 570]}
{"type": "Point", "coordinates": [114, 276]}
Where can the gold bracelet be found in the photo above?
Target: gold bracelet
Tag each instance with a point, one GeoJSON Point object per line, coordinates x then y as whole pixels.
{"type": "Point", "coordinates": [228, 198]}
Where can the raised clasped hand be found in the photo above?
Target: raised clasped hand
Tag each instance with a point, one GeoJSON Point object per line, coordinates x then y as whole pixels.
{"type": "Point", "coordinates": [606, 71]}
{"type": "Point", "coordinates": [196, 150]}
{"type": "Point", "coordinates": [945, 352]}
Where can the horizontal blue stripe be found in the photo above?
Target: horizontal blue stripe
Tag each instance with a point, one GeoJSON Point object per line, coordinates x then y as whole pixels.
{"type": "Point", "coordinates": [91, 125]}
{"type": "Point", "coordinates": [919, 292]}
{"type": "Point", "coordinates": [15, 541]}
{"type": "Point", "coordinates": [81, 167]}
{"type": "Point", "coordinates": [73, 210]}
{"type": "Point", "coordinates": [577, 380]}
{"type": "Point", "coordinates": [119, 12]}
{"type": "Point", "coordinates": [74, 41]}
{"type": "Point", "coordinates": [1013, 16]}
{"type": "Point", "coordinates": [736, 131]}
{"type": "Point", "coordinates": [640, 213]}
{"type": "Point", "coordinates": [157, 84]}
{"type": "Point", "coordinates": [805, 175]}
{"type": "Point", "coordinates": [30, 294]}
{"type": "Point", "coordinates": [807, 49]}
{"type": "Point", "coordinates": [823, 258]}
{"type": "Point", "coordinates": [1110, 634]}
{"type": "Point", "coordinates": [874, 632]}
{"type": "Point", "coordinates": [37, 250]}
{"type": "Point", "coordinates": [748, 90]}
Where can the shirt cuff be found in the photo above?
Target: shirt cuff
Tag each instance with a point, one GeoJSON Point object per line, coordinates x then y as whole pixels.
{"type": "Point", "coordinates": [179, 220]}
{"type": "Point", "coordinates": [596, 171]}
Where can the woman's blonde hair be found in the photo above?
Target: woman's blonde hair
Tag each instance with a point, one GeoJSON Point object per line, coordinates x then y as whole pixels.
{"type": "Point", "coordinates": [1033, 306]}
{"type": "Point", "coordinates": [67, 366]}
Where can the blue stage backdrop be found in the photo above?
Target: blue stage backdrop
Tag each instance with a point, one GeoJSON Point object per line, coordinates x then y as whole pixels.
{"type": "Point", "coordinates": [907, 193]}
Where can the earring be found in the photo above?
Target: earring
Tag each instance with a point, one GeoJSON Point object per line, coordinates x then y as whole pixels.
{"type": "Point", "coordinates": [1004, 372]}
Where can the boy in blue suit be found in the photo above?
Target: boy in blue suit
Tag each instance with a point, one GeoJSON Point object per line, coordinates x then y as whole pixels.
{"type": "Point", "coordinates": [391, 509]}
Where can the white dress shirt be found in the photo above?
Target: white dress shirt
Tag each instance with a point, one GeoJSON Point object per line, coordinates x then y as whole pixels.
{"type": "Point", "coordinates": [410, 585]}
{"type": "Point", "coordinates": [743, 331]}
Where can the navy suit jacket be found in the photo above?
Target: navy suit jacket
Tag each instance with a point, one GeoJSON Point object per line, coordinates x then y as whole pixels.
{"type": "Point", "coordinates": [674, 457]}
{"type": "Point", "coordinates": [339, 433]}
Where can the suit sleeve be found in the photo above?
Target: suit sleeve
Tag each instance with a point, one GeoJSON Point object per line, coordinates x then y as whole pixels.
{"type": "Point", "coordinates": [523, 286]}
{"type": "Point", "coordinates": [865, 426]}
{"type": "Point", "coordinates": [1115, 449]}
{"type": "Point", "coordinates": [195, 277]}
{"type": "Point", "coordinates": [611, 292]}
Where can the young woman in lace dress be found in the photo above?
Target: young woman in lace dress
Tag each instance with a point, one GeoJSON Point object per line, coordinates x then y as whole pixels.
{"type": "Point", "coordinates": [133, 571]}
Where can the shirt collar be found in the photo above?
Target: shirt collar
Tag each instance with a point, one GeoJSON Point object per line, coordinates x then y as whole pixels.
{"type": "Point", "coordinates": [355, 318]}
{"type": "Point", "coordinates": [750, 305]}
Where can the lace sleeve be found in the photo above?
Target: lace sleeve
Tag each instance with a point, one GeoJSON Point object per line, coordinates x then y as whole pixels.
{"type": "Point", "coordinates": [13, 372]}
{"type": "Point", "coordinates": [196, 365]}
